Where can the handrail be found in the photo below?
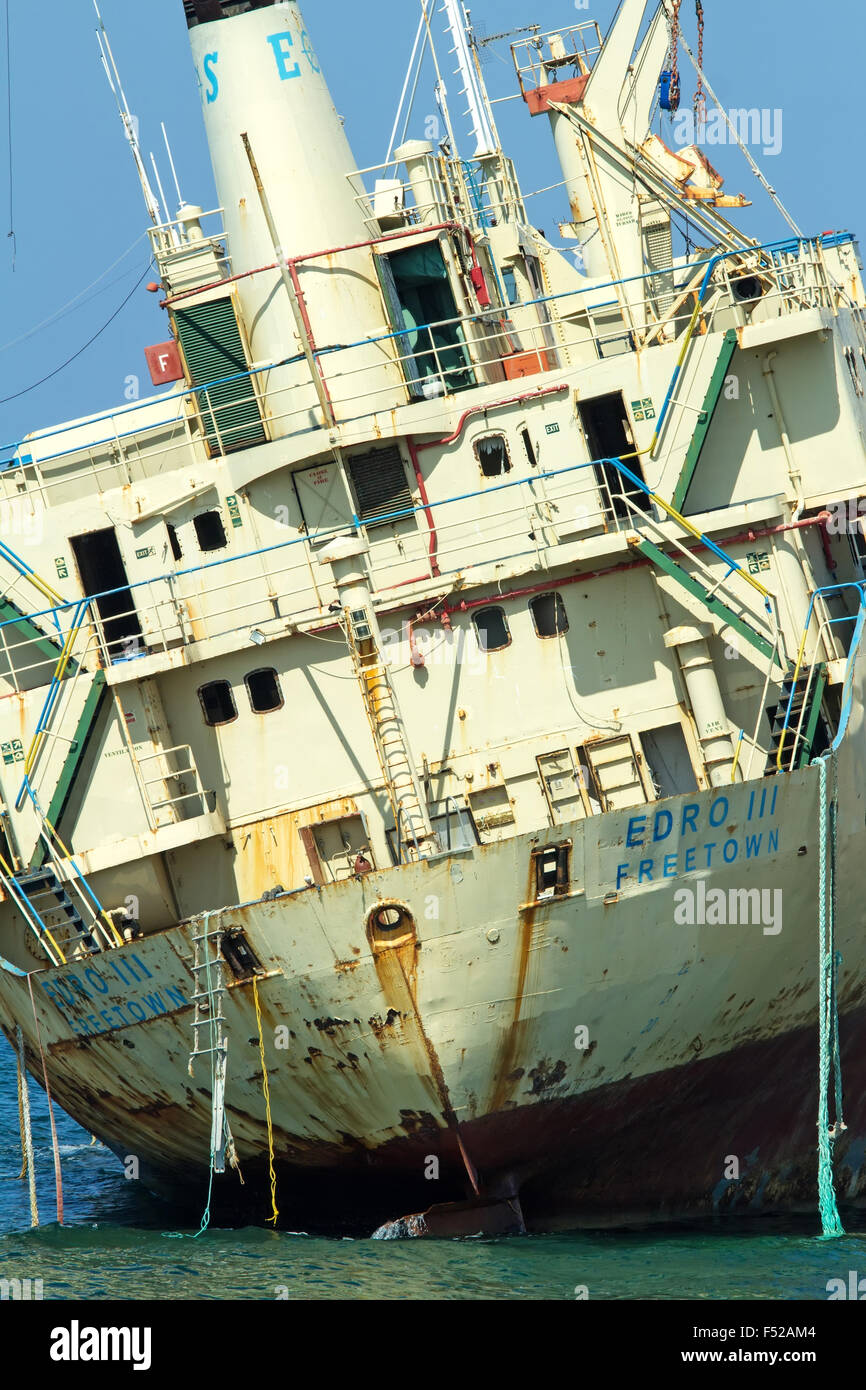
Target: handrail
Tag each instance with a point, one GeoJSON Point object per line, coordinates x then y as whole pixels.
{"type": "Point", "coordinates": [733, 566]}
{"type": "Point", "coordinates": [78, 619]}
{"type": "Point", "coordinates": [789, 245]}
{"type": "Point", "coordinates": [459, 812]}
{"type": "Point", "coordinates": [798, 666]}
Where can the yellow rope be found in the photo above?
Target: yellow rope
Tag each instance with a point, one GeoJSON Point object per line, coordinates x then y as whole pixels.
{"type": "Point", "coordinates": [267, 1096]}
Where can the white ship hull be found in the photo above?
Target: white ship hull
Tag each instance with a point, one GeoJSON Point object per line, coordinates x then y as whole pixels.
{"type": "Point", "coordinates": [699, 1045]}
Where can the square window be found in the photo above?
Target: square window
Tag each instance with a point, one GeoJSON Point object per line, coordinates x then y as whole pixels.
{"type": "Point", "coordinates": [548, 615]}
{"type": "Point", "coordinates": [491, 629]}
{"type": "Point", "coordinates": [218, 703]}
{"type": "Point", "coordinates": [263, 688]}
{"type": "Point", "coordinates": [492, 454]}
{"type": "Point", "coordinates": [210, 531]}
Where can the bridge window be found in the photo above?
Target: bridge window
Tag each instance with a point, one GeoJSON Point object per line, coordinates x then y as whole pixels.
{"type": "Point", "coordinates": [548, 615]}
{"type": "Point", "coordinates": [491, 629]}
{"type": "Point", "coordinates": [210, 531]}
{"type": "Point", "coordinates": [492, 454]}
{"type": "Point", "coordinates": [263, 688]}
{"type": "Point", "coordinates": [218, 703]}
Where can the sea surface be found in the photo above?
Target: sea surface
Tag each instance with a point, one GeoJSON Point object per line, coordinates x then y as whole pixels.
{"type": "Point", "coordinates": [119, 1243]}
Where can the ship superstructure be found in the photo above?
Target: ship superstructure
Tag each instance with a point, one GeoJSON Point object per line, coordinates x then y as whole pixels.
{"type": "Point", "coordinates": [370, 691]}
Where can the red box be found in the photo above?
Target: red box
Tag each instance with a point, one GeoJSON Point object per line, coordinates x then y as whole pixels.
{"type": "Point", "coordinates": [525, 364]}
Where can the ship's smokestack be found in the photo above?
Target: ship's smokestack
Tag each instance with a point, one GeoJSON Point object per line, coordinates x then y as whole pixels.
{"type": "Point", "coordinates": [259, 76]}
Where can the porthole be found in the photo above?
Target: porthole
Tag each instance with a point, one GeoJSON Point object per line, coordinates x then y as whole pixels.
{"type": "Point", "coordinates": [491, 629]}
{"type": "Point", "coordinates": [210, 531]}
{"type": "Point", "coordinates": [218, 703]}
{"type": "Point", "coordinates": [263, 688]}
{"type": "Point", "coordinates": [548, 615]}
{"type": "Point", "coordinates": [492, 455]}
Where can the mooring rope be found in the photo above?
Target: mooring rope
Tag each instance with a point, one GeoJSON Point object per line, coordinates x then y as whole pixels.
{"type": "Point", "coordinates": [828, 1005]}
{"type": "Point", "coordinates": [267, 1095]}
{"type": "Point", "coordinates": [26, 1130]}
{"type": "Point", "coordinates": [55, 1147]}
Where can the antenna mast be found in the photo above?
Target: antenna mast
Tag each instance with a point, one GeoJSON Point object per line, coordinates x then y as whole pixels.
{"type": "Point", "coordinates": [127, 118]}
{"type": "Point", "coordinates": [485, 137]}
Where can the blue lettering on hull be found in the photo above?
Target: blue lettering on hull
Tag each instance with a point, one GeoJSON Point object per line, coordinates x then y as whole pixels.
{"type": "Point", "coordinates": [80, 994]}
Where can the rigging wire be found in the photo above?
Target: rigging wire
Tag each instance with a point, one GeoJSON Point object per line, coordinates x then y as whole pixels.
{"type": "Point", "coordinates": [9, 129]}
{"type": "Point", "coordinates": [754, 166]}
{"type": "Point", "coordinates": [27, 389]}
{"type": "Point", "coordinates": [406, 86]}
{"type": "Point", "coordinates": [64, 308]}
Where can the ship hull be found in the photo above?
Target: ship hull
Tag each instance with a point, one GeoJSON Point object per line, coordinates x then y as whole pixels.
{"type": "Point", "coordinates": [588, 1054]}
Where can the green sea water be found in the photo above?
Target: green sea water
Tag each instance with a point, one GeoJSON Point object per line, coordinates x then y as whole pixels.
{"type": "Point", "coordinates": [119, 1243]}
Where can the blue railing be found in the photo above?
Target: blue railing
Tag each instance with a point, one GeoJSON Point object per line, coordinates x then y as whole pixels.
{"type": "Point", "coordinates": [789, 246]}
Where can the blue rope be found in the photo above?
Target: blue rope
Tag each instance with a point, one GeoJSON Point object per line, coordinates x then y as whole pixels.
{"type": "Point", "coordinates": [828, 1007]}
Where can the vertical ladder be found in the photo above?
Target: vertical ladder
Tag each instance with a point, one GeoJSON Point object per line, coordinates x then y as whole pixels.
{"type": "Point", "coordinates": [389, 738]}
{"type": "Point", "coordinates": [208, 997]}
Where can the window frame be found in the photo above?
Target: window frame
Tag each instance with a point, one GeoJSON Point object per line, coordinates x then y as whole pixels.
{"type": "Point", "coordinates": [499, 609]}
{"type": "Point", "coordinates": [482, 439]}
{"type": "Point", "coordinates": [261, 670]}
{"type": "Point", "coordinates": [210, 549]}
{"type": "Point", "coordinates": [218, 723]}
{"type": "Point", "coordinates": [559, 605]}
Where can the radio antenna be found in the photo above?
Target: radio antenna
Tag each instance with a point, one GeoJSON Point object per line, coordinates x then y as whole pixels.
{"type": "Point", "coordinates": [126, 116]}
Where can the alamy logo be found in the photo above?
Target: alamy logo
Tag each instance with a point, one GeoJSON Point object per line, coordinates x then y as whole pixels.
{"type": "Point", "coordinates": [854, 1290]}
{"type": "Point", "coordinates": [20, 1289]}
{"type": "Point", "coordinates": [77, 1343]}
{"type": "Point", "coordinates": [761, 128]}
{"type": "Point", "coordinates": [754, 907]}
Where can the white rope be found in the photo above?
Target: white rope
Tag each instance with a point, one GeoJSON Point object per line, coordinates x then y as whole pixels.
{"type": "Point", "coordinates": [28, 1132]}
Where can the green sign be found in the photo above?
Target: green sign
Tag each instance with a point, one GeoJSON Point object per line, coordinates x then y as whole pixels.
{"type": "Point", "coordinates": [552, 429]}
{"type": "Point", "coordinates": [62, 568]}
{"type": "Point", "coordinates": [759, 561]}
{"type": "Point", "coordinates": [12, 752]}
{"type": "Point", "coordinates": [234, 511]}
{"type": "Point", "coordinates": [643, 410]}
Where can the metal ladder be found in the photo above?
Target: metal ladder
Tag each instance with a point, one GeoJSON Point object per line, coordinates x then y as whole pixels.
{"type": "Point", "coordinates": [389, 738]}
{"type": "Point", "coordinates": [208, 1001]}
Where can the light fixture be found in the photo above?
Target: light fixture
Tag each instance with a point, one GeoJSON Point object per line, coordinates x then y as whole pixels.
{"type": "Point", "coordinates": [258, 637]}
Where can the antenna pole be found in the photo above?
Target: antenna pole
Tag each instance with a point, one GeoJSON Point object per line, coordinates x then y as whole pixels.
{"type": "Point", "coordinates": [181, 201]}
{"type": "Point", "coordinates": [114, 82]}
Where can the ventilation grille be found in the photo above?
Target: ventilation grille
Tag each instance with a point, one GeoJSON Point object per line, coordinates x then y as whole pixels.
{"type": "Point", "coordinates": [659, 256]}
{"type": "Point", "coordinates": [379, 482]}
{"type": "Point", "coordinates": [213, 352]}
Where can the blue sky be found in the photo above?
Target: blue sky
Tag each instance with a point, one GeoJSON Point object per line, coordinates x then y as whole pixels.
{"type": "Point", "coordinates": [77, 209]}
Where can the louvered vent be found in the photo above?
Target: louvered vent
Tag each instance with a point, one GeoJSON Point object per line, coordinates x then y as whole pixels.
{"type": "Point", "coordinates": [379, 481]}
{"type": "Point", "coordinates": [659, 256]}
{"type": "Point", "coordinates": [213, 352]}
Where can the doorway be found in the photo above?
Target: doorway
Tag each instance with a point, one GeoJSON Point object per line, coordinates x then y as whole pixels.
{"type": "Point", "coordinates": [608, 436]}
{"type": "Point", "coordinates": [423, 310]}
{"type": "Point", "coordinates": [104, 579]}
